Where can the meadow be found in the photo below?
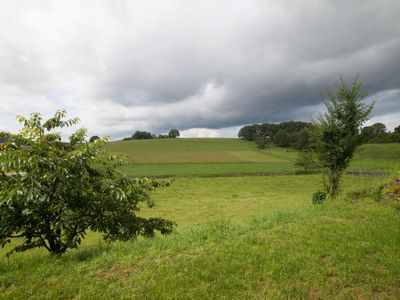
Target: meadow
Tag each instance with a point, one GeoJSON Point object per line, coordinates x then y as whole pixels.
{"type": "Point", "coordinates": [238, 236]}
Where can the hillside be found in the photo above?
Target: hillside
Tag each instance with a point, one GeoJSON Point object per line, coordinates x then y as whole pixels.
{"type": "Point", "coordinates": [198, 150]}
{"type": "Point", "coordinates": [227, 157]}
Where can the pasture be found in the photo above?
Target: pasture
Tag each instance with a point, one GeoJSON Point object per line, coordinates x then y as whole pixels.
{"type": "Point", "coordinates": [238, 236]}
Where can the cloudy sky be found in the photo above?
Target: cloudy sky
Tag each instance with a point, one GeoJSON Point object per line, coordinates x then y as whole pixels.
{"type": "Point", "coordinates": [204, 67]}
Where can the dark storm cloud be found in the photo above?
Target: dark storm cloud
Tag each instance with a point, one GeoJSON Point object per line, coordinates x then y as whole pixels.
{"type": "Point", "coordinates": [152, 65]}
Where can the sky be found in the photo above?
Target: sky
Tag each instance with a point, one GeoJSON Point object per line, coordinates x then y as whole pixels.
{"type": "Point", "coordinates": [203, 67]}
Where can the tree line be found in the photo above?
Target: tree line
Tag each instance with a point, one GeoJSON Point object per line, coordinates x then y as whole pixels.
{"type": "Point", "coordinates": [286, 134]}
{"type": "Point", "coordinates": [296, 134]}
{"type": "Point", "coordinates": [146, 135]}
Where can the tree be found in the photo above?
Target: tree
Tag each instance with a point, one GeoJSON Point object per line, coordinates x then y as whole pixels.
{"type": "Point", "coordinates": [52, 192]}
{"type": "Point", "coordinates": [396, 135]}
{"type": "Point", "coordinates": [302, 140]}
{"type": "Point", "coordinates": [374, 133]}
{"type": "Point", "coordinates": [261, 139]}
{"type": "Point", "coordinates": [142, 135]}
{"type": "Point", "coordinates": [282, 138]}
{"type": "Point", "coordinates": [248, 132]}
{"type": "Point", "coordinates": [173, 133]}
{"type": "Point", "coordinates": [94, 138]}
{"type": "Point", "coordinates": [334, 134]}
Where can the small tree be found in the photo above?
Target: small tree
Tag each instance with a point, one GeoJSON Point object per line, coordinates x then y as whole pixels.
{"type": "Point", "coordinates": [52, 192]}
{"type": "Point", "coordinates": [173, 133]}
{"type": "Point", "coordinates": [334, 134]}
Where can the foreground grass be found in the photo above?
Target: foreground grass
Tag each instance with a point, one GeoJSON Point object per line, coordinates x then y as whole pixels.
{"type": "Point", "coordinates": [339, 250]}
{"type": "Point", "coordinates": [191, 201]}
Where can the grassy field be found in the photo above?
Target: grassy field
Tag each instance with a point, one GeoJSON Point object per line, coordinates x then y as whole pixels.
{"type": "Point", "coordinates": [231, 157]}
{"type": "Point", "coordinates": [198, 150]}
{"type": "Point", "coordinates": [377, 157]}
{"type": "Point", "coordinates": [198, 200]}
{"type": "Point", "coordinates": [341, 250]}
{"type": "Point", "coordinates": [244, 237]}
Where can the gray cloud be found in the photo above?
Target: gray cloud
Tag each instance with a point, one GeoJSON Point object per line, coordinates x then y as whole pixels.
{"type": "Point", "coordinates": [149, 65]}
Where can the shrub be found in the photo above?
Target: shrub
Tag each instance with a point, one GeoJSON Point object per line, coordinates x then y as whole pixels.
{"type": "Point", "coordinates": [319, 197]}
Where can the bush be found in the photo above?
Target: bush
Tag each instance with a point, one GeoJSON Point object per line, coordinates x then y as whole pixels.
{"type": "Point", "coordinates": [52, 192]}
{"type": "Point", "coordinates": [319, 197]}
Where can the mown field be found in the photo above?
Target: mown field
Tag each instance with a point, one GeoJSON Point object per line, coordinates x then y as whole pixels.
{"type": "Point", "coordinates": [238, 237]}
{"type": "Point", "coordinates": [231, 157]}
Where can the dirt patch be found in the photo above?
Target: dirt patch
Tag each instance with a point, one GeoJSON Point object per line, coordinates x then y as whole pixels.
{"type": "Point", "coordinates": [392, 191]}
{"type": "Point", "coordinates": [120, 273]}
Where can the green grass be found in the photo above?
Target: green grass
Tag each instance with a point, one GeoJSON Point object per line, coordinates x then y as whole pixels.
{"type": "Point", "coordinates": [202, 157]}
{"type": "Point", "coordinates": [207, 157]}
{"type": "Point", "coordinates": [199, 150]}
{"type": "Point", "coordinates": [248, 237]}
{"type": "Point", "coordinates": [208, 169]}
{"type": "Point", "coordinates": [339, 250]}
{"type": "Point", "coordinates": [377, 157]}
{"type": "Point", "coordinates": [379, 151]}
{"type": "Point", "coordinates": [196, 200]}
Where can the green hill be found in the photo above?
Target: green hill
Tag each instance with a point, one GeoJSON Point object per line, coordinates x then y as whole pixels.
{"type": "Point", "coordinates": [198, 150]}
{"type": "Point", "coordinates": [227, 157]}
{"type": "Point", "coordinates": [201, 157]}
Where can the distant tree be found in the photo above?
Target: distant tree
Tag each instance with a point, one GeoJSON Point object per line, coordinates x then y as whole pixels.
{"type": "Point", "coordinates": [261, 139]}
{"type": "Point", "coordinates": [293, 127]}
{"type": "Point", "coordinates": [248, 132]}
{"type": "Point", "coordinates": [334, 134]}
{"type": "Point", "coordinates": [173, 133]}
{"type": "Point", "coordinates": [374, 133]}
{"type": "Point", "coordinates": [306, 159]}
{"type": "Point", "coordinates": [282, 138]}
{"type": "Point", "coordinates": [396, 135]}
{"type": "Point", "coordinates": [4, 136]}
{"type": "Point", "coordinates": [378, 128]}
{"type": "Point", "coordinates": [302, 140]}
{"type": "Point", "coordinates": [94, 138]}
{"type": "Point", "coordinates": [142, 135]}
{"type": "Point", "coordinates": [163, 136]}
{"type": "Point", "coordinates": [52, 192]}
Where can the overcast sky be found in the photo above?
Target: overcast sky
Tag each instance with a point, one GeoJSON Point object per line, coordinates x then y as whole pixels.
{"type": "Point", "coordinates": [204, 67]}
